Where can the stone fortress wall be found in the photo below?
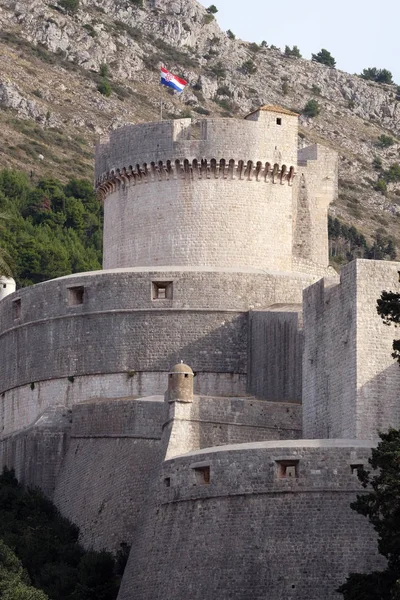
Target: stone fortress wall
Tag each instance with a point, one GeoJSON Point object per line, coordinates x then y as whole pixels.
{"type": "Point", "coordinates": [211, 253]}
{"type": "Point", "coordinates": [115, 339]}
{"type": "Point", "coordinates": [350, 381]}
{"type": "Point", "coordinates": [253, 530]}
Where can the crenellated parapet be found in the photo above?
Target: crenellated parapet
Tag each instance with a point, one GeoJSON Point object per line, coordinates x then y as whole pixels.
{"type": "Point", "coordinates": [240, 170]}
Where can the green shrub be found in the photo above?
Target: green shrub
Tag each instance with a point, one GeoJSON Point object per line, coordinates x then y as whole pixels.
{"type": "Point", "coordinates": [207, 19]}
{"type": "Point", "coordinates": [230, 35]}
{"type": "Point", "coordinates": [138, 3]}
{"type": "Point", "coordinates": [324, 58]}
{"type": "Point", "coordinates": [212, 9]}
{"type": "Point", "coordinates": [104, 88]}
{"type": "Point", "coordinates": [312, 108]}
{"type": "Point", "coordinates": [249, 68]}
{"type": "Point", "coordinates": [223, 90]}
{"type": "Point", "coordinates": [316, 90]}
{"type": "Point", "coordinates": [264, 44]}
{"type": "Point", "coordinates": [253, 47]}
{"type": "Point", "coordinates": [381, 186]}
{"type": "Point", "coordinates": [292, 52]}
{"type": "Point", "coordinates": [201, 111]}
{"type": "Point", "coordinates": [70, 6]}
{"type": "Point", "coordinates": [378, 75]}
{"type": "Point", "coordinates": [392, 175]}
{"type": "Point", "coordinates": [385, 141]}
{"type": "Point", "coordinates": [377, 163]}
{"type": "Point", "coordinates": [218, 70]}
{"type": "Point", "coordinates": [103, 70]}
{"type": "Point", "coordinates": [90, 29]}
{"type": "Point", "coordinates": [38, 93]}
{"type": "Point", "coordinates": [285, 88]}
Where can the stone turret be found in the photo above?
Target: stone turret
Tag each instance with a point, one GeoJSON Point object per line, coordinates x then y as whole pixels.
{"type": "Point", "coordinates": [180, 384]}
{"type": "Point", "coordinates": [7, 286]}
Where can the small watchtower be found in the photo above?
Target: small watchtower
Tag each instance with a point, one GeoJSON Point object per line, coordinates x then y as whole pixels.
{"type": "Point", "coordinates": [180, 384]}
{"type": "Point", "coordinates": [282, 127]}
{"type": "Point", "coordinates": [7, 286]}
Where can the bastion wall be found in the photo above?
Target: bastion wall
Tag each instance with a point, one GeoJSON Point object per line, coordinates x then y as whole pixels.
{"type": "Point", "coordinates": [114, 451]}
{"type": "Point", "coordinates": [253, 531]}
{"type": "Point", "coordinates": [120, 339]}
{"type": "Point", "coordinates": [350, 380]}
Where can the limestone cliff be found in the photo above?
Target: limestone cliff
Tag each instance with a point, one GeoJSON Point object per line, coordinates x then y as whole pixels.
{"type": "Point", "coordinates": [51, 111]}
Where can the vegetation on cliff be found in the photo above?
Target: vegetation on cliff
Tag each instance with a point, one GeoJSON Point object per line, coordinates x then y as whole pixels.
{"type": "Point", "coordinates": [51, 229]}
{"type": "Point", "coordinates": [40, 548]}
{"type": "Point", "coordinates": [389, 310]}
{"type": "Point", "coordinates": [382, 507]}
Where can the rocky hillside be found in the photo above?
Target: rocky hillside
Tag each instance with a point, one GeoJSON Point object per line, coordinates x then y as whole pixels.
{"type": "Point", "coordinates": [55, 56]}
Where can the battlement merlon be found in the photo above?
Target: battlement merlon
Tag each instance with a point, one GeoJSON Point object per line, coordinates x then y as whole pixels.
{"type": "Point", "coordinates": [268, 134]}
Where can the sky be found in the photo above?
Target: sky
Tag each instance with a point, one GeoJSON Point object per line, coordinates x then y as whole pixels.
{"type": "Point", "coordinates": [359, 34]}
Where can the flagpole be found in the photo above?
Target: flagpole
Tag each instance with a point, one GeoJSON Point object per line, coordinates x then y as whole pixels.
{"type": "Point", "coordinates": [161, 98]}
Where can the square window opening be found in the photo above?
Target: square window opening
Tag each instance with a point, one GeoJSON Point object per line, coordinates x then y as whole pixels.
{"type": "Point", "coordinates": [355, 468]}
{"type": "Point", "coordinates": [161, 290]}
{"type": "Point", "coordinates": [279, 121]}
{"type": "Point", "coordinates": [202, 475]}
{"type": "Point", "coordinates": [4, 285]}
{"type": "Point", "coordinates": [17, 308]}
{"type": "Point", "coordinates": [76, 295]}
{"type": "Point", "coordinates": [288, 469]}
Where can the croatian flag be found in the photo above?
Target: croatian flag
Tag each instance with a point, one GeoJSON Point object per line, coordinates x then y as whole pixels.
{"type": "Point", "coordinates": [172, 81]}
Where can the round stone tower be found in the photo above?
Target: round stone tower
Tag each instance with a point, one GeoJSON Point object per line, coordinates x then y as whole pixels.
{"type": "Point", "coordinates": [180, 384]}
{"type": "Point", "coordinates": [7, 286]}
{"type": "Point", "coordinates": [224, 200]}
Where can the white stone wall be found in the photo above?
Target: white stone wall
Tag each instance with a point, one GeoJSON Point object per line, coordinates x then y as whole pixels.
{"type": "Point", "coordinates": [350, 381]}
{"type": "Point", "coordinates": [212, 222]}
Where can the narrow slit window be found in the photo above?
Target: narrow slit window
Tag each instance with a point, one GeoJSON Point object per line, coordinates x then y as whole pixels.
{"type": "Point", "coordinates": [161, 290]}
{"type": "Point", "coordinates": [76, 295]}
{"type": "Point", "coordinates": [279, 121]}
{"type": "Point", "coordinates": [202, 475]}
{"type": "Point", "coordinates": [167, 481]}
{"type": "Point", "coordinates": [17, 309]}
{"type": "Point", "coordinates": [288, 469]}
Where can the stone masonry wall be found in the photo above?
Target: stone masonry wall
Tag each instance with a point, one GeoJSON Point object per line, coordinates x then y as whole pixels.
{"type": "Point", "coordinates": [351, 382]}
{"type": "Point", "coordinates": [119, 340]}
{"type": "Point", "coordinates": [245, 532]}
{"type": "Point", "coordinates": [104, 478]}
{"type": "Point", "coordinates": [219, 138]}
{"type": "Point", "coordinates": [275, 354]}
{"type": "Point", "coordinates": [378, 375]}
{"type": "Point", "coordinates": [210, 222]}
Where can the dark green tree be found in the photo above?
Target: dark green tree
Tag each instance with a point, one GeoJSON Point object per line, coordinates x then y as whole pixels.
{"type": "Point", "coordinates": [14, 580]}
{"type": "Point", "coordinates": [47, 546]}
{"type": "Point", "coordinates": [324, 57]}
{"type": "Point", "coordinates": [312, 108]}
{"type": "Point", "coordinates": [378, 75]}
{"type": "Point", "coordinates": [292, 52]}
{"type": "Point", "coordinates": [381, 505]}
{"type": "Point", "coordinates": [212, 9]}
{"type": "Point", "coordinates": [70, 6]}
{"type": "Point", "coordinates": [389, 310]}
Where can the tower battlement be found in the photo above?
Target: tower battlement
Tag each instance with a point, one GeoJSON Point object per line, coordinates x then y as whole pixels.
{"type": "Point", "coordinates": [208, 205]}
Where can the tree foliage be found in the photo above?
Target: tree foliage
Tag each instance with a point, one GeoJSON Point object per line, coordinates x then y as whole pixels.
{"type": "Point", "coordinates": [378, 75]}
{"type": "Point", "coordinates": [14, 580]}
{"type": "Point", "coordinates": [324, 57]}
{"type": "Point", "coordinates": [52, 229]}
{"type": "Point", "coordinates": [47, 550]}
{"type": "Point", "coordinates": [212, 9]}
{"type": "Point", "coordinates": [70, 6]}
{"type": "Point", "coordinates": [389, 309]}
{"type": "Point", "coordinates": [381, 505]}
{"type": "Point", "coordinates": [312, 108]}
{"type": "Point", "coordinates": [292, 52]}
{"type": "Point", "coordinates": [347, 243]}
